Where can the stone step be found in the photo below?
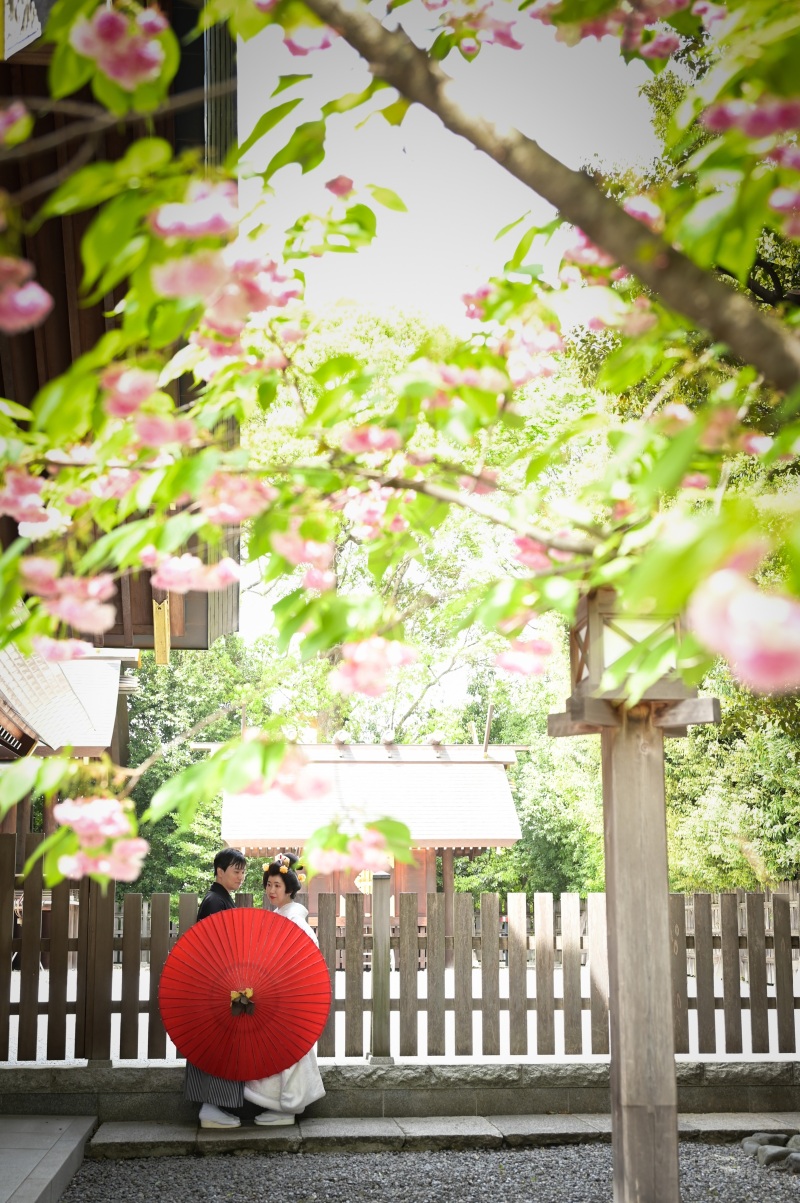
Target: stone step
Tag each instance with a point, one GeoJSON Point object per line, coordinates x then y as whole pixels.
{"type": "Point", "coordinates": [372, 1135]}
{"type": "Point", "coordinates": [39, 1154]}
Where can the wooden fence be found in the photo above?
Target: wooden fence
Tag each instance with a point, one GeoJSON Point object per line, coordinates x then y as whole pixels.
{"type": "Point", "coordinates": [532, 982]}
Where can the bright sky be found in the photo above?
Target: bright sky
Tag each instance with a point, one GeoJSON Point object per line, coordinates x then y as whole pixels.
{"type": "Point", "coordinates": [579, 103]}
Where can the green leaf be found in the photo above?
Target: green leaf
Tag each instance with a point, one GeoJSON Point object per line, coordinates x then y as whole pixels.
{"type": "Point", "coordinates": [111, 230]}
{"type": "Point", "coordinates": [254, 761]}
{"type": "Point", "coordinates": [388, 198]}
{"type": "Point", "coordinates": [394, 113]}
{"type": "Point", "coordinates": [511, 225]}
{"type": "Point", "coordinates": [87, 187]}
{"type": "Point", "coordinates": [186, 791]}
{"type": "Point", "coordinates": [145, 157]}
{"type": "Point", "coordinates": [352, 100]}
{"type": "Point", "coordinates": [306, 147]}
{"type": "Point", "coordinates": [64, 407]}
{"type": "Point", "coordinates": [288, 81]}
{"type": "Point", "coordinates": [265, 123]}
{"type": "Point", "coordinates": [17, 780]}
{"type": "Point", "coordinates": [68, 71]}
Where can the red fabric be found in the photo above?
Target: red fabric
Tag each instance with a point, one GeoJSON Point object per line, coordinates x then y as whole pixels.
{"type": "Point", "coordinates": [235, 950]}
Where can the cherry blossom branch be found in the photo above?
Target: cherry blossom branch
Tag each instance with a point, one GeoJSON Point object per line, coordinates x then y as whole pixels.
{"type": "Point", "coordinates": [468, 501]}
{"type": "Point", "coordinates": [99, 120]}
{"type": "Point", "coordinates": [49, 182]}
{"type": "Point", "coordinates": [137, 773]}
{"type": "Point", "coordinates": [729, 317]}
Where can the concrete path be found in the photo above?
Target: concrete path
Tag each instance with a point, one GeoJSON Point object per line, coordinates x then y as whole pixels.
{"type": "Point", "coordinates": [40, 1154]}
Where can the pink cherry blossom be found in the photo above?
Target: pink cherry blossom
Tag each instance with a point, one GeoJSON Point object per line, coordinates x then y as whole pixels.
{"type": "Point", "coordinates": [787, 155]}
{"type": "Point", "coordinates": [644, 210]}
{"type": "Point", "coordinates": [365, 666]}
{"type": "Point", "coordinates": [127, 388]}
{"type": "Point", "coordinates": [152, 21]}
{"type": "Point", "coordinates": [757, 632]}
{"type": "Point", "coordinates": [39, 575]}
{"type": "Point", "coordinates": [226, 499]}
{"type": "Point", "coordinates": [11, 118]}
{"type": "Point", "coordinates": [54, 523]}
{"type": "Point", "coordinates": [370, 438]}
{"type": "Point", "coordinates": [709, 13]}
{"type": "Point", "coordinates": [581, 250]}
{"type": "Point", "coordinates": [319, 579]}
{"type": "Point", "coordinates": [638, 319]}
{"type": "Point", "coordinates": [297, 780]}
{"type": "Point", "coordinates": [475, 301]}
{"type": "Point", "coordinates": [397, 524]}
{"type": "Point", "coordinates": [197, 275]}
{"type": "Point", "coordinates": [367, 509]}
{"type": "Point", "coordinates": [115, 484]}
{"type": "Point", "coordinates": [785, 200]}
{"type": "Point", "coordinates": [78, 497]}
{"type": "Point", "coordinates": [305, 39]}
{"type": "Point", "coordinates": [20, 497]}
{"type": "Point", "coordinates": [525, 657]}
{"type": "Point", "coordinates": [342, 185]}
{"type": "Point", "coordinates": [209, 209]}
{"type": "Point", "coordinates": [719, 429]}
{"type": "Point", "coordinates": [124, 50]}
{"type": "Point", "coordinates": [89, 616]}
{"type": "Point", "coordinates": [23, 306]}
{"type": "Point", "coordinates": [323, 860]}
{"type": "Point", "coordinates": [94, 820]}
{"type": "Point", "coordinates": [695, 480]}
{"type": "Point", "coordinates": [55, 650]}
{"type": "Point", "coordinates": [369, 853]}
{"type": "Point", "coordinates": [123, 863]}
{"type": "Point", "coordinates": [662, 46]}
{"type": "Point", "coordinates": [158, 430]}
{"type": "Point", "coordinates": [769, 115]}
{"type": "Point", "coordinates": [297, 550]}
{"type": "Point", "coordinates": [531, 554]}
{"type": "Point", "coordinates": [177, 574]}
{"type": "Point", "coordinates": [188, 574]}
{"type": "Point", "coordinates": [753, 443]}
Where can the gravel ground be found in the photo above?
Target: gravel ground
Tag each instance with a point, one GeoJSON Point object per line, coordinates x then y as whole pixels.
{"type": "Point", "coordinates": [568, 1174]}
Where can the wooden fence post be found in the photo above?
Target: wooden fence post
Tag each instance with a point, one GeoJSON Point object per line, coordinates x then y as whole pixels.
{"type": "Point", "coordinates": [8, 865]}
{"type": "Point", "coordinates": [381, 968]}
{"type": "Point", "coordinates": [354, 976]}
{"type": "Point", "coordinates": [326, 933]}
{"type": "Point", "coordinates": [644, 1096]}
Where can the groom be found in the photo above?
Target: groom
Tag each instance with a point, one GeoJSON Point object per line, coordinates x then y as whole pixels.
{"type": "Point", "coordinates": [212, 1093]}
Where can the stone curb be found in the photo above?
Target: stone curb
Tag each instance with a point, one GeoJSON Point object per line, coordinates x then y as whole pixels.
{"type": "Point", "coordinates": [410, 1134]}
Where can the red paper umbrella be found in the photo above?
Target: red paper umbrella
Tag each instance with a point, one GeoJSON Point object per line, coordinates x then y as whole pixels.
{"type": "Point", "coordinates": [244, 994]}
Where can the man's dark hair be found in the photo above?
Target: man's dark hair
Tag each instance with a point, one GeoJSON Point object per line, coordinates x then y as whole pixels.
{"type": "Point", "coordinates": [227, 857]}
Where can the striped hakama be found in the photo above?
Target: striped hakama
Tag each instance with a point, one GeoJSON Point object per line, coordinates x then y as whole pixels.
{"type": "Point", "coordinates": [200, 1087]}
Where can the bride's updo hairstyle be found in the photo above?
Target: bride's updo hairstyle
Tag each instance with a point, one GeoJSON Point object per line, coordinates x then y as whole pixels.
{"type": "Point", "coordinates": [288, 866]}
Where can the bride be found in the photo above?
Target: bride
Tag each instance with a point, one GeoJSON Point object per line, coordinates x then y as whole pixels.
{"type": "Point", "coordinates": [285, 1095]}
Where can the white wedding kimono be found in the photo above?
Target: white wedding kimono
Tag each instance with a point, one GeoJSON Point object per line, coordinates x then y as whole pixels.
{"type": "Point", "coordinates": [292, 1090]}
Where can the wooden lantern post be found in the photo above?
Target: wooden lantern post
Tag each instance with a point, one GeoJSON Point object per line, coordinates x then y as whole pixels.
{"type": "Point", "coordinates": [644, 1102]}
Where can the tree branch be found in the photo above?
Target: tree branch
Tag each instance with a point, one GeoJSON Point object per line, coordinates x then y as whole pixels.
{"type": "Point", "coordinates": [729, 317]}
{"type": "Point", "coordinates": [99, 120]}
{"type": "Point", "coordinates": [136, 774]}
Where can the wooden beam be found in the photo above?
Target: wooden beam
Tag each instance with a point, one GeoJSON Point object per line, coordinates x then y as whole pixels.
{"type": "Point", "coordinates": [690, 710]}
{"type": "Point", "coordinates": [161, 631]}
{"type": "Point", "coordinates": [594, 711]}
{"type": "Point", "coordinates": [560, 725]}
{"type": "Point", "coordinates": [644, 1097]}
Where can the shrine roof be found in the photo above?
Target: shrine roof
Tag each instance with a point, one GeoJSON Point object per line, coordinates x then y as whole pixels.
{"type": "Point", "coordinates": [449, 795]}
